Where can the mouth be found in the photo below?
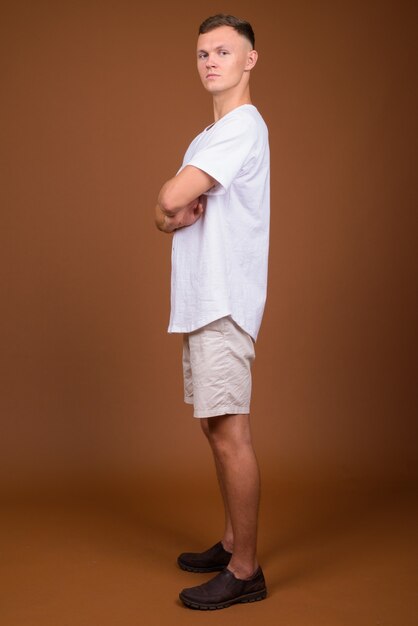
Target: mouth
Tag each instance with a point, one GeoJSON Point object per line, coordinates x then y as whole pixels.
{"type": "Point", "coordinates": [211, 75]}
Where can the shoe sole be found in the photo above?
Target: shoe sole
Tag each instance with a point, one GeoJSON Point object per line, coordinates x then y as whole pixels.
{"type": "Point", "coordinates": [249, 597]}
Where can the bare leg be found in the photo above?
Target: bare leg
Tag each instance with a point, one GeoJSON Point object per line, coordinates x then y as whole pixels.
{"type": "Point", "coordinates": [230, 439]}
{"type": "Point", "coordinates": [228, 536]}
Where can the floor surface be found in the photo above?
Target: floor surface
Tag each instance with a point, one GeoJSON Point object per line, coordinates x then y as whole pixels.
{"type": "Point", "coordinates": [340, 555]}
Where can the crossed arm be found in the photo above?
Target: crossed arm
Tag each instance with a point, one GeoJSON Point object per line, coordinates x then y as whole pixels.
{"type": "Point", "coordinates": [181, 201]}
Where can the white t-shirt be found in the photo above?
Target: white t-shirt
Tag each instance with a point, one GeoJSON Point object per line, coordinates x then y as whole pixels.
{"type": "Point", "coordinates": [219, 264]}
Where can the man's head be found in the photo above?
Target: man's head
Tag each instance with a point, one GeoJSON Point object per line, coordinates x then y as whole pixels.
{"type": "Point", "coordinates": [225, 54]}
{"type": "Point", "coordinates": [242, 27]}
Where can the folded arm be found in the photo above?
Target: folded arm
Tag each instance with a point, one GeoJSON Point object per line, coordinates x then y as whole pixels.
{"type": "Point", "coordinates": [181, 201]}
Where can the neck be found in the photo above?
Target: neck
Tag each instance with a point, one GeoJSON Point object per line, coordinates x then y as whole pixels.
{"type": "Point", "coordinates": [223, 103]}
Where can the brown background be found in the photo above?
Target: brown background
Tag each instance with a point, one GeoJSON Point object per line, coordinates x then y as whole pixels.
{"type": "Point", "coordinates": [99, 101]}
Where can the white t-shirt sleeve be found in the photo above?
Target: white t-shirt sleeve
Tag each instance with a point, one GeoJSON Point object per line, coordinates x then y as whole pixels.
{"type": "Point", "coordinates": [230, 146]}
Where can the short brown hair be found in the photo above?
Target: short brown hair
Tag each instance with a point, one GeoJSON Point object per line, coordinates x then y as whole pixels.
{"type": "Point", "coordinates": [242, 27]}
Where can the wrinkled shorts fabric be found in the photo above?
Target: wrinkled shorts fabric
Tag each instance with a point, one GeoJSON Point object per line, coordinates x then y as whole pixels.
{"type": "Point", "coordinates": [217, 361]}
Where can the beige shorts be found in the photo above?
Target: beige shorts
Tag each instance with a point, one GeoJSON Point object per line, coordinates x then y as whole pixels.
{"type": "Point", "coordinates": [217, 369]}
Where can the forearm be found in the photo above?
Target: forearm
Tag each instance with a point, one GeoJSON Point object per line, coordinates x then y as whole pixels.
{"type": "Point", "coordinates": [165, 202]}
{"type": "Point", "coordinates": [181, 201]}
{"type": "Point", "coordinates": [167, 221]}
{"type": "Point", "coordinates": [181, 191]}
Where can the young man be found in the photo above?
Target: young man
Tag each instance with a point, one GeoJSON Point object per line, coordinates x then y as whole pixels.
{"type": "Point", "coordinates": [218, 208]}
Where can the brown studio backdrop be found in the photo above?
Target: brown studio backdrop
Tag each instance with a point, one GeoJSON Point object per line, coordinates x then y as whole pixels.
{"type": "Point", "coordinates": [99, 101]}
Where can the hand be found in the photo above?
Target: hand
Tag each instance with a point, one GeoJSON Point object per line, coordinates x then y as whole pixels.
{"type": "Point", "coordinates": [191, 213]}
{"type": "Point", "coordinates": [185, 217]}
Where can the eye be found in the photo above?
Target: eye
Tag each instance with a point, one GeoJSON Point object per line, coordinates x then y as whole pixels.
{"type": "Point", "coordinates": [202, 55]}
{"type": "Point", "coordinates": [223, 53]}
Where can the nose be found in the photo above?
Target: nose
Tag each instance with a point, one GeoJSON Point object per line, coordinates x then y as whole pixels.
{"type": "Point", "coordinates": [210, 62]}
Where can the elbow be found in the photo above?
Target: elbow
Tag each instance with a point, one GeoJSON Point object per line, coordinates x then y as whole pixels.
{"type": "Point", "coordinates": [162, 221]}
{"type": "Point", "coordinates": [159, 225]}
{"type": "Point", "coordinates": [166, 205]}
{"type": "Point", "coordinates": [167, 200]}
{"type": "Point", "coordinates": [164, 227]}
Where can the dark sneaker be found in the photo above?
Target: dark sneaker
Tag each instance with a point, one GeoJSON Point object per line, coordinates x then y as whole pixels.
{"type": "Point", "coordinates": [225, 589]}
{"type": "Point", "coordinates": [213, 560]}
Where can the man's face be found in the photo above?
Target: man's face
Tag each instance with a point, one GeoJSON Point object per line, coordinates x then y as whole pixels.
{"type": "Point", "coordinates": [224, 58]}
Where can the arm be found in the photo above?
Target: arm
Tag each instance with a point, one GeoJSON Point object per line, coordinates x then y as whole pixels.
{"type": "Point", "coordinates": [185, 217]}
{"type": "Point", "coordinates": [181, 201]}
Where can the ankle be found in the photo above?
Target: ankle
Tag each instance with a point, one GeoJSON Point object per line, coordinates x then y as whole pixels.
{"type": "Point", "coordinates": [228, 544]}
{"type": "Point", "coordinates": [243, 571]}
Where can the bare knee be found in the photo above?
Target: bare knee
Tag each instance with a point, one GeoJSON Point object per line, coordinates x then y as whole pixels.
{"type": "Point", "coordinates": [228, 434]}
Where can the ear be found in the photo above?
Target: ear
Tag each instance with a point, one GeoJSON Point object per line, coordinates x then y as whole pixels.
{"type": "Point", "coordinates": [251, 59]}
